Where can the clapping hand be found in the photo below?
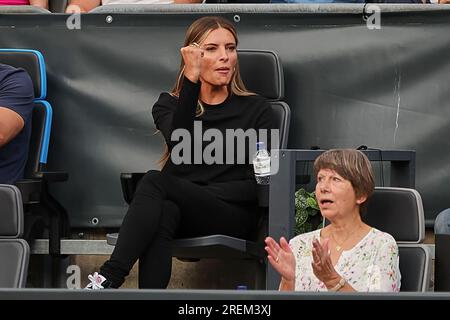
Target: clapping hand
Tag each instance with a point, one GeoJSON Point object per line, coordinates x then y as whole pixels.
{"type": "Point", "coordinates": [322, 265]}
{"type": "Point", "coordinates": [281, 258]}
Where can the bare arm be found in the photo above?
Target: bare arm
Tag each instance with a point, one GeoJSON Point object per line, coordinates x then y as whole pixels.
{"type": "Point", "coordinates": [10, 125]}
{"type": "Point", "coordinates": [83, 5]}
{"type": "Point", "coordinates": [40, 3]}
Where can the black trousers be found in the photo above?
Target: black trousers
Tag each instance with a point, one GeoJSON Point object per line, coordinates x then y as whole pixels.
{"type": "Point", "coordinates": [165, 207]}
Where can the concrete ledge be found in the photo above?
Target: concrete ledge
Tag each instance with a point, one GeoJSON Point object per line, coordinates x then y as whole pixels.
{"type": "Point", "coordinates": [74, 246]}
{"type": "Point", "coordinates": [252, 295]}
{"type": "Point", "coordinates": [343, 8]}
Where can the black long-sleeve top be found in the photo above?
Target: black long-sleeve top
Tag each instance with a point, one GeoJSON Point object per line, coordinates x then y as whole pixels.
{"type": "Point", "coordinates": [231, 182]}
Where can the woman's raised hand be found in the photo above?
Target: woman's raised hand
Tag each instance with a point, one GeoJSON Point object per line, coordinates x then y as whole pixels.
{"type": "Point", "coordinates": [321, 263]}
{"type": "Point", "coordinates": [281, 258]}
{"type": "Point", "coordinates": [192, 57]}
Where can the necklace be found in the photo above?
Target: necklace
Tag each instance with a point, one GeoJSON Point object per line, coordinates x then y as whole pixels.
{"type": "Point", "coordinates": [340, 245]}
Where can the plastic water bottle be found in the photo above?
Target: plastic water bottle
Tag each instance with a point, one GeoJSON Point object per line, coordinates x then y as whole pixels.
{"type": "Point", "coordinates": [261, 164]}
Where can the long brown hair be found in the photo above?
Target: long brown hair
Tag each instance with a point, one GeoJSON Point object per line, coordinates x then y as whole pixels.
{"type": "Point", "coordinates": [198, 32]}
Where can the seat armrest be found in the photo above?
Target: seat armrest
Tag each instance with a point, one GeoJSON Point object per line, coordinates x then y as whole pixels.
{"type": "Point", "coordinates": [52, 176]}
{"type": "Point", "coordinates": [30, 190]}
{"type": "Point", "coordinates": [129, 182]}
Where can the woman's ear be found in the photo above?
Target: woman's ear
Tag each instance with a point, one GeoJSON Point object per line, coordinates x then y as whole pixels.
{"type": "Point", "coordinates": [360, 200]}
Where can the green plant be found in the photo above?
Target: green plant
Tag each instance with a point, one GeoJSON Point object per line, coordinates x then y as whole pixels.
{"type": "Point", "coordinates": [307, 212]}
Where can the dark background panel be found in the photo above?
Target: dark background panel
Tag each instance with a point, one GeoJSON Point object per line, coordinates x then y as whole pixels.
{"type": "Point", "coordinates": [346, 85]}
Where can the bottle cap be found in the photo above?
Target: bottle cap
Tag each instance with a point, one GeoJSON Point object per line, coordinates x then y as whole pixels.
{"type": "Point", "coordinates": [260, 145]}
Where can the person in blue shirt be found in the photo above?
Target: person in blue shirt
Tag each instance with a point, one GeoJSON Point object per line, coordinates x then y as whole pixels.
{"type": "Point", "coordinates": [442, 222]}
{"type": "Point", "coordinates": [16, 106]}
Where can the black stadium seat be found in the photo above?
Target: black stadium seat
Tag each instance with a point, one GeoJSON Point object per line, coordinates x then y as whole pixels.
{"type": "Point", "coordinates": [262, 73]}
{"type": "Point", "coordinates": [40, 206]}
{"type": "Point", "coordinates": [399, 211]}
{"type": "Point", "coordinates": [14, 251]}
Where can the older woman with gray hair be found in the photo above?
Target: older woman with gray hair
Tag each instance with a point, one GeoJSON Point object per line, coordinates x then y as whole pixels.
{"type": "Point", "coordinates": [347, 255]}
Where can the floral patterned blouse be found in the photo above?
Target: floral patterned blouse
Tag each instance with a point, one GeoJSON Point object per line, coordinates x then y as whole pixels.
{"type": "Point", "coordinates": [371, 265]}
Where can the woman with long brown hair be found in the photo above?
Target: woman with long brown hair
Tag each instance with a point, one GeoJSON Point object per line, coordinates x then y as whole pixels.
{"type": "Point", "coordinates": [203, 188]}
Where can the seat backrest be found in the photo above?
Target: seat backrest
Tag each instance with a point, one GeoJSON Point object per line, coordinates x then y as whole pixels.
{"type": "Point", "coordinates": [282, 116]}
{"type": "Point", "coordinates": [33, 62]}
{"type": "Point", "coordinates": [397, 211]}
{"type": "Point", "coordinates": [262, 73]}
{"type": "Point", "coordinates": [14, 252]}
{"type": "Point", "coordinates": [415, 268]}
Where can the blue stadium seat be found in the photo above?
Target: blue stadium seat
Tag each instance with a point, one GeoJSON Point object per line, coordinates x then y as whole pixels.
{"type": "Point", "coordinates": [41, 209]}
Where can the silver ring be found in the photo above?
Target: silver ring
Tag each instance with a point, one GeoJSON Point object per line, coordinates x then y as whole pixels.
{"type": "Point", "coordinates": [277, 259]}
{"type": "Point", "coordinates": [195, 44]}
